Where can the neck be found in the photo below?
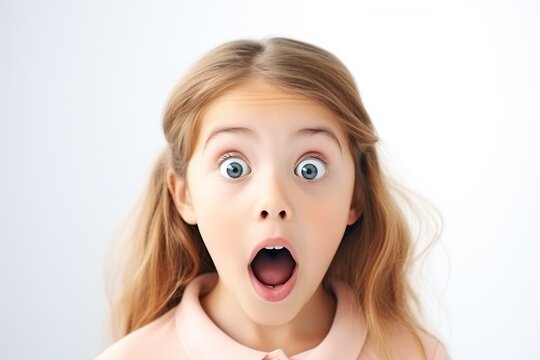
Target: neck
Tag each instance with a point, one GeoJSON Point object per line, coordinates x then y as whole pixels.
{"type": "Point", "coordinates": [303, 332]}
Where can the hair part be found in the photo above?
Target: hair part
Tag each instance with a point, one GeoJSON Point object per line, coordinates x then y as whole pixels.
{"type": "Point", "coordinates": [166, 253]}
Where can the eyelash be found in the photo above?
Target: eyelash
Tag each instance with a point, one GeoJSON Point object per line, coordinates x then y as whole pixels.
{"type": "Point", "coordinates": [314, 156]}
{"type": "Point", "coordinates": [231, 154]}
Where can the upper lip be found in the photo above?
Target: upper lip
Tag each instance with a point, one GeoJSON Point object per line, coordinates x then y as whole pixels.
{"type": "Point", "coordinates": [274, 241]}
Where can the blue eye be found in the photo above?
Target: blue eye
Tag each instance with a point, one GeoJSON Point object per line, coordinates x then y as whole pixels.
{"type": "Point", "coordinates": [310, 169]}
{"type": "Point", "coordinates": [234, 168]}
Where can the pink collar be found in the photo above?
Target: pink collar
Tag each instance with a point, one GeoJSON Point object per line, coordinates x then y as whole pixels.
{"type": "Point", "coordinates": [202, 339]}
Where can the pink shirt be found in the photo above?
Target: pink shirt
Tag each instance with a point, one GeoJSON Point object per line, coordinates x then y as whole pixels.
{"type": "Point", "coordinates": [186, 332]}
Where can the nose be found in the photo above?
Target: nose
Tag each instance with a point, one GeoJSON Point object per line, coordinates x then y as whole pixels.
{"type": "Point", "coordinates": [283, 214]}
{"type": "Point", "coordinates": [273, 201]}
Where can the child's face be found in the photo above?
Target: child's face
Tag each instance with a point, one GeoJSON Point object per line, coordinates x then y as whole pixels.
{"type": "Point", "coordinates": [269, 165]}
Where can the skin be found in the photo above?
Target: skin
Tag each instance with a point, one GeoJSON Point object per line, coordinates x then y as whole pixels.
{"type": "Point", "coordinates": [267, 129]}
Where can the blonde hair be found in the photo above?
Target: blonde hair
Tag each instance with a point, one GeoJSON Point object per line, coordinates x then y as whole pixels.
{"type": "Point", "coordinates": [166, 253]}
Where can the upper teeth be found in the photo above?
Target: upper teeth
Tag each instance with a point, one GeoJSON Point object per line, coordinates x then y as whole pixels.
{"type": "Point", "coordinates": [273, 247]}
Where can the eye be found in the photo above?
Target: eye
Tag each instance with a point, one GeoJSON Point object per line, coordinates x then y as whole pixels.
{"type": "Point", "coordinates": [234, 168]}
{"type": "Point", "coordinates": [310, 169]}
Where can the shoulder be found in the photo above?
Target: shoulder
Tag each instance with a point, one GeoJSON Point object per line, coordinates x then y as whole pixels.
{"type": "Point", "coordinates": [406, 347]}
{"type": "Point", "coordinates": [156, 340]}
{"type": "Point", "coordinates": [435, 350]}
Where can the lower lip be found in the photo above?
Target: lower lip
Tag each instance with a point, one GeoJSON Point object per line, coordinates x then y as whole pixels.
{"type": "Point", "coordinates": [273, 294]}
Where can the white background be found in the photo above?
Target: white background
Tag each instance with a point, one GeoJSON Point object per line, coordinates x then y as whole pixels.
{"type": "Point", "coordinates": [452, 87]}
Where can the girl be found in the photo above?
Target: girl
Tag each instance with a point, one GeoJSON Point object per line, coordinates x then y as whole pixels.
{"type": "Point", "coordinates": [268, 230]}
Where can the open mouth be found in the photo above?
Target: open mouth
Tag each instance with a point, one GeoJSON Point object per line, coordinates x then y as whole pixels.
{"type": "Point", "coordinates": [273, 266]}
{"type": "Point", "coordinates": [273, 270]}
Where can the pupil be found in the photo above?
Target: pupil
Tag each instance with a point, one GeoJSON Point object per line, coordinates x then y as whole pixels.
{"type": "Point", "coordinates": [309, 171]}
{"type": "Point", "coordinates": [234, 170]}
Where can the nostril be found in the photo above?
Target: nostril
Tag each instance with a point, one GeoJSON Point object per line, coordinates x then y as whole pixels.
{"type": "Point", "coordinates": [282, 214]}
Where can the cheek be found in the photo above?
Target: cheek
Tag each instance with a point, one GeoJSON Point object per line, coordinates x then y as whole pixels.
{"type": "Point", "coordinates": [220, 218]}
{"type": "Point", "coordinates": [216, 222]}
{"type": "Point", "coordinates": [326, 221]}
{"type": "Point", "coordinates": [220, 231]}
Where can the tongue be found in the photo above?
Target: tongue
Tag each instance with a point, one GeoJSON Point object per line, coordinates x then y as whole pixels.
{"type": "Point", "coordinates": [273, 267]}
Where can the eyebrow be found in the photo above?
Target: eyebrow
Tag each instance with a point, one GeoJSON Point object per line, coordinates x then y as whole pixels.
{"type": "Point", "coordinates": [246, 131]}
{"type": "Point", "coordinates": [321, 130]}
{"type": "Point", "coordinates": [232, 130]}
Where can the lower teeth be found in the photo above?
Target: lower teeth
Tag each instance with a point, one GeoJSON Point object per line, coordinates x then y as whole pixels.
{"type": "Point", "coordinates": [273, 287]}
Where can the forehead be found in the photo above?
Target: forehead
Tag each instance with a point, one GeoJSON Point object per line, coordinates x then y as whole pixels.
{"type": "Point", "coordinates": [256, 101]}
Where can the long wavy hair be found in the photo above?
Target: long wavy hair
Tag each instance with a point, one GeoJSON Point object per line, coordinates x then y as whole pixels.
{"type": "Point", "coordinates": [163, 254]}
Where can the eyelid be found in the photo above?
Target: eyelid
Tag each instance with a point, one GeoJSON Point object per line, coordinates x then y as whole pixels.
{"type": "Point", "coordinates": [230, 154]}
{"type": "Point", "coordinates": [313, 155]}
{"type": "Point", "coordinates": [236, 154]}
{"type": "Point", "coordinates": [233, 157]}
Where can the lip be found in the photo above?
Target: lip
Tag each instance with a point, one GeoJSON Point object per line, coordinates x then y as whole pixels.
{"type": "Point", "coordinates": [282, 291]}
{"type": "Point", "coordinates": [275, 241]}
